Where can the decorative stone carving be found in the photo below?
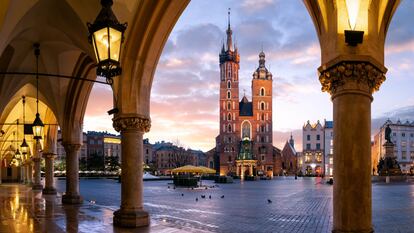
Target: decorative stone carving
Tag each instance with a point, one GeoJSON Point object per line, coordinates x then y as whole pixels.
{"type": "Point", "coordinates": [360, 72]}
{"type": "Point", "coordinates": [137, 122]}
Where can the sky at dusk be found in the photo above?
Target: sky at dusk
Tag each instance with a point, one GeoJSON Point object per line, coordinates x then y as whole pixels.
{"type": "Point", "coordinates": [184, 97]}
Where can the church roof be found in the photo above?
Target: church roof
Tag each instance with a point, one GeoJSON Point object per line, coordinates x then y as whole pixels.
{"type": "Point", "coordinates": [245, 107]}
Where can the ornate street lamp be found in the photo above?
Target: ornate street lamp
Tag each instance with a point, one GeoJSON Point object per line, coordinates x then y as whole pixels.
{"type": "Point", "coordinates": [24, 146]}
{"type": "Point", "coordinates": [37, 123]}
{"type": "Point", "coordinates": [106, 35]}
{"type": "Point", "coordinates": [353, 37]}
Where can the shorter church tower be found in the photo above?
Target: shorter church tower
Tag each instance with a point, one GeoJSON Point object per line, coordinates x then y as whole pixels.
{"type": "Point", "coordinates": [262, 106]}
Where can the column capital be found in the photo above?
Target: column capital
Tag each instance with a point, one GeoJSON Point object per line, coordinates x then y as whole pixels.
{"type": "Point", "coordinates": [71, 147]}
{"type": "Point", "coordinates": [124, 122]}
{"type": "Point", "coordinates": [49, 155]}
{"type": "Point", "coordinates": [362, 73]}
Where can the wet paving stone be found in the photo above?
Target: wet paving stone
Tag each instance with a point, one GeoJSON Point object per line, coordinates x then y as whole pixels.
{"type": "Point", "coordinates": [303, 205]}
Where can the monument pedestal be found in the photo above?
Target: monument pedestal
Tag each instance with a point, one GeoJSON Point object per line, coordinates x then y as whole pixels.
{"type": "Point", "coordinates": [388, 166]}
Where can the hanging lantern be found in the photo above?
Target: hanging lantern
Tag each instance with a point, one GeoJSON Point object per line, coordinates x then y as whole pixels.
{"type": "Point", "coordinates": [38, 127]}
{"type": "Point", "coordinates": [106, 35]}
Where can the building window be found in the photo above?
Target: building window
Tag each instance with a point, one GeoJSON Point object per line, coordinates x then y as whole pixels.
{"type": "Point", "coordinates": [229, 84]}
{"type": "Point", "coordinates": [228, 95]}
{"type": "Point", "coordinates": [263, 118]}
{"type": "Point", "coordinates": [232, 149]}
{"type": "Point", "coordinates": [318, 146]}
{"type": "Point", "coordinates": [229, 128]}
{"type": "Point", "coordinates": [404, 155]}
{"type": "Point", "coordinates": [229, 117]}
{"type": "Point", "coordinates": [229, 158]}
{"type": "Point", "coordinates": [262, 128]}
{"type": "Point", "coordinates": [394, 134]}
{"type": "Point", "coordinates": [403, 134]}
{"type": "Point", "coordinates": [262, 106]}
{"type": "Point", "coordinates": [308, 146]}
{"type": "Point", "coordinates": [228, 105]}
{"type": "Point", "coordinates": [262, 139]}
{"type": "Point", "coordinates": [229, 139]}
{"type": "Point", "coordinates": [263, 157]}
{"type": "Point", "coordinates": [412, 135]}
{"type": "Point", "coordinates": [308, 137]}
{"type": "Point", "coordinates": [330, 160]}
{"type": "Point", "coordinates": [262, 91]}
{"type": "Point", "coordinates": [318, 137]}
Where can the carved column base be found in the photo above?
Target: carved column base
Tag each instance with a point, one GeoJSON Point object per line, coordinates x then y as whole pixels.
{"type": "Point", "coordinates": [131, 218]}
{"type": "Point", "coordinates": [356, 231]}
{"type": "Point", "coordinates": [72, 199]}
{"type": "Point", "coordinates": [49, 191]}
{"type": "Point", "coordinates": [37, 187]}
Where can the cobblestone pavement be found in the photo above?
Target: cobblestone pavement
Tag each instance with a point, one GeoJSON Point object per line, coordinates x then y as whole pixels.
{"type": "Point", "coordinates": [303, 205]}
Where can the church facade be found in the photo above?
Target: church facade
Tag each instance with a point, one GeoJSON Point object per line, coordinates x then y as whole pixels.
{"type": "Point", "coordinates": [244, 145]}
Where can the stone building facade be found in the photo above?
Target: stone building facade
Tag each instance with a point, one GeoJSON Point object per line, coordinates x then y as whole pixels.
{"type": "Point", "coordinates": [403, 138]}
{"type": "Point", "coordinates": [317, 153]}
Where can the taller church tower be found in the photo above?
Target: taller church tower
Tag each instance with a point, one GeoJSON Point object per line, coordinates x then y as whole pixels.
{"type": "Point", "coordinates": [228, 140]}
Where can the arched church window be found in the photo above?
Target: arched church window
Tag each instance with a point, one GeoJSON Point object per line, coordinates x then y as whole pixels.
{"type": "Point", "coordinates": [228, 105]}
{"type": "Point", "coordinates": [262, 106]}
{"type": "Point", "coordinates": [229, 117]}
{"type": "Point", "coordinates": [246, 130]}
{"type": "Point", "coordinates": [262, 117]}
{"type": "Point", "coordinates": [229, 128]}
{"type": "Point", "coordinates": [262, 91]}
{"type": "Point", "coordinates": [228, 94]}
{"type": "Point", "coordinates": [229, 84]}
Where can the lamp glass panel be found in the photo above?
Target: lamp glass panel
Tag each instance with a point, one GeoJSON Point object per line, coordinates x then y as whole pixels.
{"type": "Point", "coordinates": [37, 130]}
{"type": "Point", "coordinates": [102, 40]}
{"type": "Point", "coordinates": [94, 48]}
{"type": "Point", "coordinates": [352, 7]}
{"type": "Point", "coordinates": [115, 40]}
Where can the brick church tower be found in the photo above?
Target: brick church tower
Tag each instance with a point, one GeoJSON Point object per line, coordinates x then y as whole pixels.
{"type": "Point", "coordinates": [244, 145]}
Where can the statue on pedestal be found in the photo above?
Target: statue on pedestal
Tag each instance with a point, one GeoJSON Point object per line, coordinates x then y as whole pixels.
{"type": "Point", "coordinates": [388, 165]}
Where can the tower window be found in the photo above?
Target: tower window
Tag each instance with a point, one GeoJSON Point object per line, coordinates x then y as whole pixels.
{"type": "Point", "coordinates": [228, 84]}
{"type": "Point", "coordinates": [229, 117]}
{"type": "Point", "coordinates": [228, 94]}
{"type": "Point", "coordinates": [229, 128]}
{"type": "Point", "coordinates": [262, 91]}
{"type": "Point", "coordinates": [228, 106]}
{"type": "Point", "coordinates": [262, 106]}
{"type": "Point", "coordinates": [262, 117]}
{"type": "Point", "coordinates": [262, 128]}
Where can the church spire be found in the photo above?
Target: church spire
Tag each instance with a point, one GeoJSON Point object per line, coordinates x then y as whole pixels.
{"type": "Point", "coordinates": [229, 33]}
{"type": "Point", "coordinates": [291, 141]}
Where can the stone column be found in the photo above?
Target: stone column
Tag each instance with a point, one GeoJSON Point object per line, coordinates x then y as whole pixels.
{"type": "Point", "coordinates": [37, 185]}
{"type": "Point", "coordinates": [351, 85]}
{"type": "Point", "coordinates": [132, 128]}
{"type": "Point", "coordinates": [29, 173]}
{"type": "Point", "coordinates": [49, 174]}
{"type": "Point", "coordinates": [72, 195]}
